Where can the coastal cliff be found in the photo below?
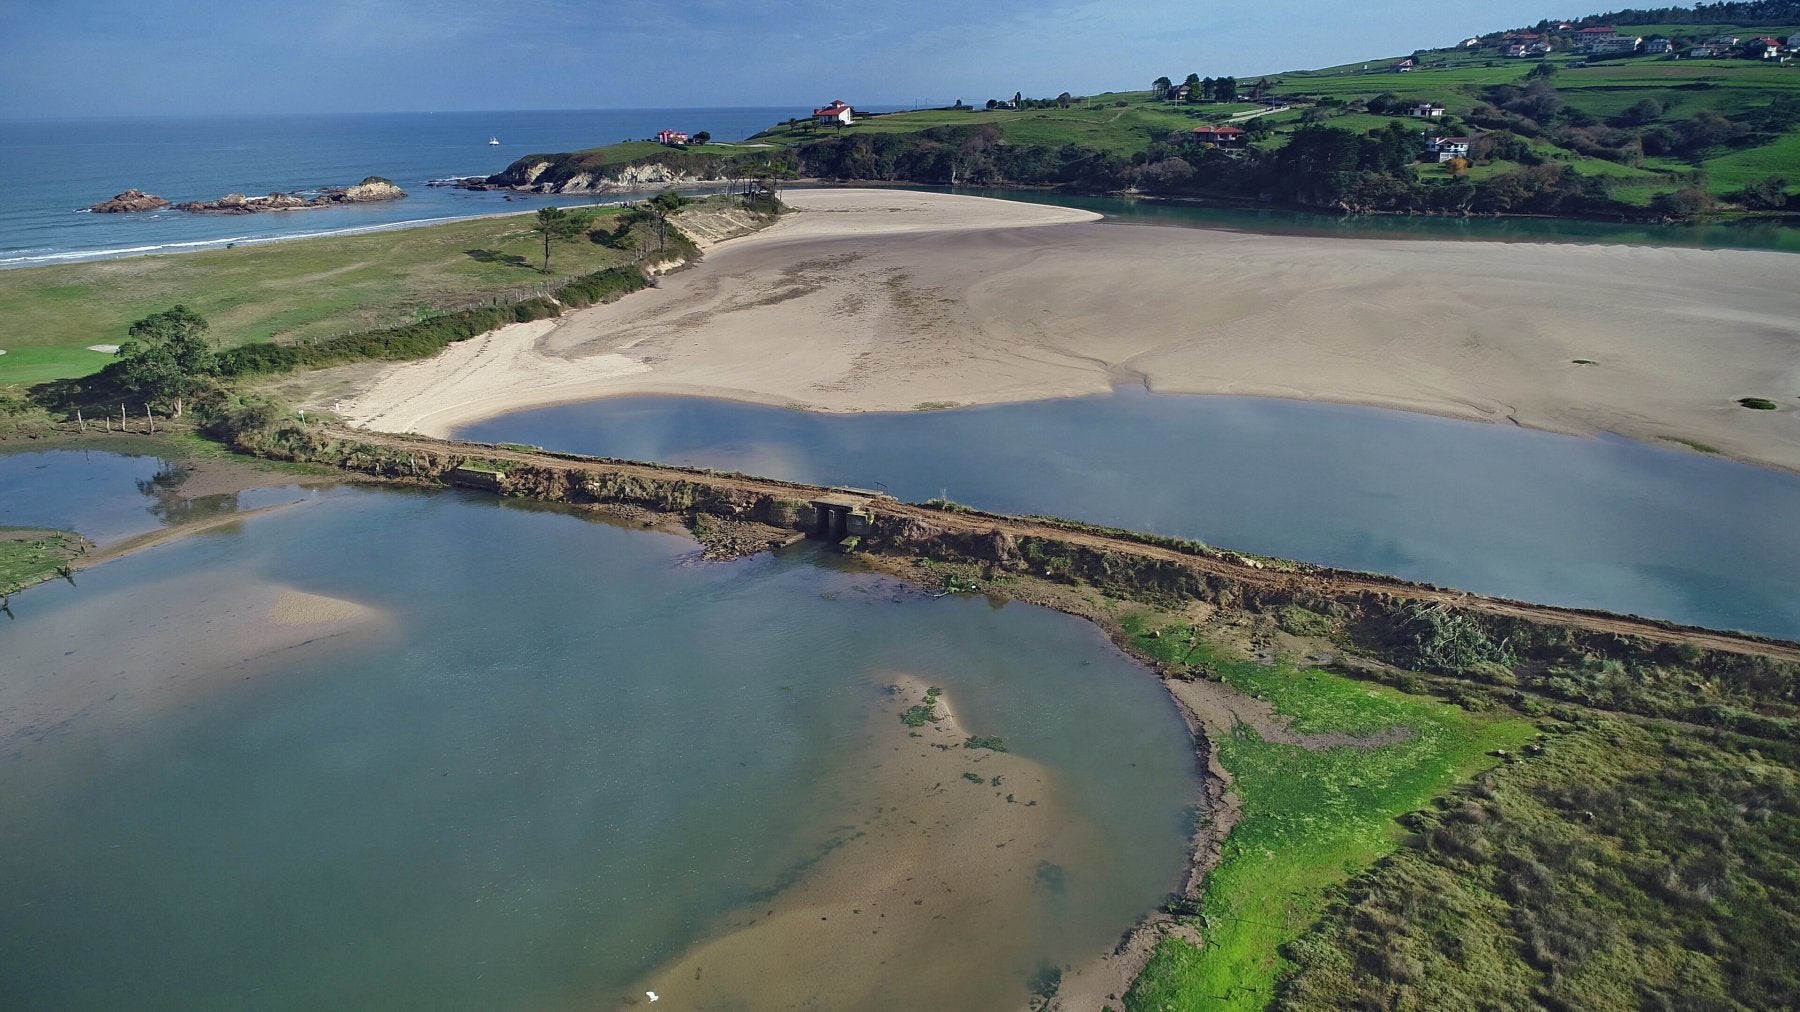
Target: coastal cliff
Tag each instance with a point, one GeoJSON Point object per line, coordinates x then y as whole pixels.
{"type": "Point", "coordinates": [373, 189]}
{"type": "Point", "coordinates": [620, 168]}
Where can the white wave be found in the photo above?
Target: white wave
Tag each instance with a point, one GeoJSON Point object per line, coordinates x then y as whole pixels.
{"type": "Point", "coordinates": [121, 251]}
{"type": "Point", "coordinates": [16, 260]}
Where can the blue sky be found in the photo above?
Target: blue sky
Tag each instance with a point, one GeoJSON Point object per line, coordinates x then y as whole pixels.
{"type": "Point", "coordinates": [178, 57]}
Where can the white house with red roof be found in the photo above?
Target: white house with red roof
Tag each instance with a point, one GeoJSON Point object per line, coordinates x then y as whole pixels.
{"type": "Point", "coordinates": [1218, 135]}
{"type": "Point", "coordinates": [835, 114]}
{"type": "Point", "coordinates": [671, 137]}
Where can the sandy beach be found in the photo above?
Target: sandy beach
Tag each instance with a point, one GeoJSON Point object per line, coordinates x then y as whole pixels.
{"type": "Point", "coordinates": [868, 300]}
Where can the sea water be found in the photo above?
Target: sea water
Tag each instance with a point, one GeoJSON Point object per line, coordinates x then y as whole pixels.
{"type": "Point", "coordinates": [55, 168]}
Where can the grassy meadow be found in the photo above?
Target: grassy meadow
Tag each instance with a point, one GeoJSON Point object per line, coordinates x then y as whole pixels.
{"type": "Point", "coordinates": [30, 556]}
{"type": "Point", "coordinates": [293, 291]}
{"type": "Point", "coordinates": [1311, 819]}
{"type": "Point", "coordinates": [1116, 123]}
{"type": "Point", "coordinates": [1625, 865]}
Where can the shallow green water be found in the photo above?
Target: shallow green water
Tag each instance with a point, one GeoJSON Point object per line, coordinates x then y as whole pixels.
{"type": "Point", "coordinates": [1753, 235]}
{"type": "Point", "coordinates": [550, 756]}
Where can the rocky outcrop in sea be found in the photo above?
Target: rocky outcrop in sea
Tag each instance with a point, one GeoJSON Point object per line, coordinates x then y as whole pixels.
{"type": "Point", "coordinates": [130, 200]}
{"type": "Point", "coordinates": [371, 190]}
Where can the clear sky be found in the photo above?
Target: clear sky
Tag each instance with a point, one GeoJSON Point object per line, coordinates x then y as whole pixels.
{"type": "Point", "coordinates": [177, 57]}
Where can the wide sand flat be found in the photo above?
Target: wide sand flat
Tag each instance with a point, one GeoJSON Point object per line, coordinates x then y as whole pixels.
{"type": "Point", "coordinates": [920, 907]}
{"type": "Point", "coordinates": [889, 300]}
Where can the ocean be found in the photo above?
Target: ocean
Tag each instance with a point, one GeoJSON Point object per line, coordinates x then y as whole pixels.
{"type": "Point", "coordinates": [56, 168]}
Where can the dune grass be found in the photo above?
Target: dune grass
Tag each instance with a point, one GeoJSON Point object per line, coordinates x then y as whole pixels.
{"type": "Point", "coordinates": [284, 291]}
{"type": "Point", "coordinates": [1311, 819]}
{"type": "Point", "coordinates": [1623, 865]}
{"type": "Point", "coordinates": [29, 557]}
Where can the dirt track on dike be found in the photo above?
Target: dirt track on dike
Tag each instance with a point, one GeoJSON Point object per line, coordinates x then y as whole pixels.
{"type": "Point", "coordinates": [1218, 563]}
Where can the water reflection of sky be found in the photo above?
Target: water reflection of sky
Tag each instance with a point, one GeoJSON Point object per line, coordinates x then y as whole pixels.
{"type": "Point", "coordinates": [1603, 523]}
{"type": "Point", "coordinates": [108, 497]}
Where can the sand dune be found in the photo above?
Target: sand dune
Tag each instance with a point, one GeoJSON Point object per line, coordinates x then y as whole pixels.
{"type": "Point", "coordinates": [886, 300]}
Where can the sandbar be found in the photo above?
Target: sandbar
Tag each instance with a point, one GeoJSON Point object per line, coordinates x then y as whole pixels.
{"type": "Point", "coordinates": [921, 907]}
{"type": "Point", "coordinates": [875, 300]}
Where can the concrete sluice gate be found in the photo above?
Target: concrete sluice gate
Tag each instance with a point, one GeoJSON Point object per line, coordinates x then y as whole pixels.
{"type": "Point", "coordinates": [836, 517]}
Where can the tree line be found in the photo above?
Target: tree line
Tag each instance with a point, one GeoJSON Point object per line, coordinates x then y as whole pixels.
{"type": "Point", "coordinates": [1203, 89]}
{"type": "Point", "coordinates": [1328, 167]}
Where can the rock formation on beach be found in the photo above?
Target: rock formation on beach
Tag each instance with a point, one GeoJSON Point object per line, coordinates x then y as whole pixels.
{"type": "Point", "coordinates": [130, 200]}
{"type": "Point", "coordinates": [370, 190]}
{"type": "Point", "coordinates": [598, 172]}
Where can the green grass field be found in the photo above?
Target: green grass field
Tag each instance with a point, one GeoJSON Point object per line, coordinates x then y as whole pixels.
{"type": "Point", "coordinates": [1124, 123]}
{"type": "Point", "coordinates": [284, 291]}
{"type": "Point", "coordinates": [1782, 158]}
{"type": "Point", "coordinates": [29, 557]}
{"type": "Point", "coordinates": [1311, 820]}
{"type": "Point", "coordinates": [1094, 123]}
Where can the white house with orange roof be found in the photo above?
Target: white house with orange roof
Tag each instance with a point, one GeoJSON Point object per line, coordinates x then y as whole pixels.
{"type": "Point", "coordinates": [836, 114]}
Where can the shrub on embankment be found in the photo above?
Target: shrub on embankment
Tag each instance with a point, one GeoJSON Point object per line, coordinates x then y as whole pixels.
{"type": "Point", "coordinates": [1480, 657]}
{"type": "Point", "coordinates": [428, 337]}
{"type": "Point", "coordinates": [1487, 658]}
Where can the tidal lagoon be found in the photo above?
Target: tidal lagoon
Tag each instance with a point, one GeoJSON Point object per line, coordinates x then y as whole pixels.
{"type": "Point", "coordinates": [433, 750]}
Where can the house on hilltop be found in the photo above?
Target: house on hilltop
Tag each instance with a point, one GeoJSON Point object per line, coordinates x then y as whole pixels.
{"type": "Point", "coordinates": [671, 137]}
{"type": "Point", "coordinates": [836, 114]}
{"type": "Point", "coordinates": [1442, 149]}
{"type": "Point", "coordinates": [1614, 44]}
{"type": "Point", "coordinates": [1220, 135]}
{"type": "Point", "coordinates": [1402, 66]}
{"type": "Point", "coordinates": [1426, 110]}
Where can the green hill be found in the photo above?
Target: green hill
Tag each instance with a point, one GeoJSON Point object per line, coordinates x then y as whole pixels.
{"type": "Point", "coordinates": [1639, 135]}
{"type": "Point", "coordinates": [1651, 133]}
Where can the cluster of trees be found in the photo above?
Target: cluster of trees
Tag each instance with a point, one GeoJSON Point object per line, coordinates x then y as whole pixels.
{"type": "Point", "coordinates": [1747, 12]}
{"type": "Point", "coordinates": [1019, 101]}
{"type": "Point", "coordinates": [1205, 89]}
{"type": "Point", "coordinates": [1320, 166]}
{"type": "Point", "coordinates": [1537, 109]}
{"type": "Point", "coordinates": [166, 359]}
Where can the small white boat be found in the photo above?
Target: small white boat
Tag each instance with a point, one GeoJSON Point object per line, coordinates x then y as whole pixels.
{"type": "Point", "coordinates": [493, 142]}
